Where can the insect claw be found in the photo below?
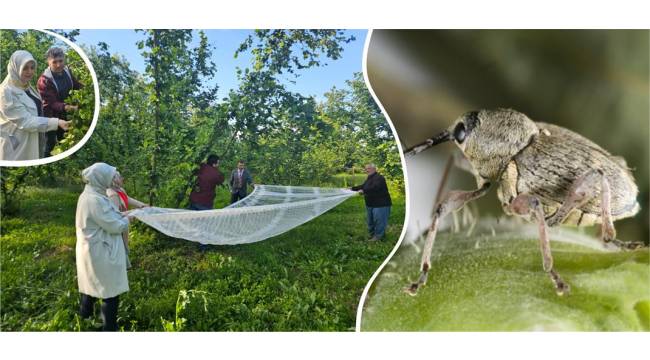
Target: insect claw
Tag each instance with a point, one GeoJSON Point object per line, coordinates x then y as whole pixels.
{"type": "Point", "coordinates": [626, 245]}
{"type": "Point", "coordinates": [633, 245]}
{"type": "Point", "coordinates": [412, 289]}
{"type": "Point", "coordinates": [561, 288]}
{"type": "Point", "coordinates": [637, 245]}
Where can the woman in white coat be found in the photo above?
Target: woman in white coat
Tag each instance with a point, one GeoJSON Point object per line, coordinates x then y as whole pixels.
{"type": "Point", "coordinates": [21, 111]}
{"type": "Point", "coordinates": [101, 256]}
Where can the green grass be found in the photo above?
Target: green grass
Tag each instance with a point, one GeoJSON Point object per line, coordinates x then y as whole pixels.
{"type": "Point", "coordinates": [493, 281]}
{"type": "Point", "coordinates": [348, 180]}
{"type": "Point", "coordinates": [310, 278]}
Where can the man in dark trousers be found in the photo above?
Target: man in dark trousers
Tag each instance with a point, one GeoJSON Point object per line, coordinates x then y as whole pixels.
{"type": "Point", "coordinates": [54, 85]}
{"type": "Point", "coordinates": [208, 177]}
{"type": "Point", "coordinates": [377, 200]}
{"type": "Point", "coordinates": [240, 178]}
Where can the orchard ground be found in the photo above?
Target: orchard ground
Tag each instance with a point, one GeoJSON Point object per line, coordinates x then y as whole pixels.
{"type": "Point", "coordinates": [308, 279]}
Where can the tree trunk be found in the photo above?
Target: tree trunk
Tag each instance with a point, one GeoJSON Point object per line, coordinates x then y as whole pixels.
{"type": "Point", "coordinates": [153, 174]}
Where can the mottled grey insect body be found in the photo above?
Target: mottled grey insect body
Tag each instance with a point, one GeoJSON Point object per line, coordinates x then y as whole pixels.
{"type": "Point", "coordinates": [555, 159]}
{"type": "Point", "coordinates": [543, 172]}
{"type": "Point", "coordinates": [506, 147]}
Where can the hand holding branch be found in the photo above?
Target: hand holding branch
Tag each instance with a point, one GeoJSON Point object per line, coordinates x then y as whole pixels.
{"type": "Point", "coordinates": [65, 125]}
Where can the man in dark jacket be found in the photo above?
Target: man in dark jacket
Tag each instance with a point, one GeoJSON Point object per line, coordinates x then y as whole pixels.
{"type": "Point", "coordinates": [208, 177]}
{"type": "Point", "coordinates": [240, 178]}
{"type": "Point", "coordinates": [54, 85]}
{"type": "Point", "coordinates": [377, 200]}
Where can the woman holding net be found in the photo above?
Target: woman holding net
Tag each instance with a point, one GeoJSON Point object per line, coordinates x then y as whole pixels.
{"type": "Point", "coordinates": [100, 250]}
{"type": "Point", "coordinates": [122, 201]}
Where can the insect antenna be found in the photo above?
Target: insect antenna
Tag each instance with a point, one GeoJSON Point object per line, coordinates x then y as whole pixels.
{"type": "Point", "coordinates": [433, 141]}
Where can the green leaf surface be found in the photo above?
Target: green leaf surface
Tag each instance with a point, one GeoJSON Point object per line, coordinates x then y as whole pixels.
{"type": "Point", "coordinates": [493, 280]}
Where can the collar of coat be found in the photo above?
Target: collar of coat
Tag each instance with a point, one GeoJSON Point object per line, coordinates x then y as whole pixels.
{"type": "Point", "coordinates": [21, 95]}
{"type": "Point", "coordinates": [48, 74]}
{"type": "Point", "coordinates": [23, 98]}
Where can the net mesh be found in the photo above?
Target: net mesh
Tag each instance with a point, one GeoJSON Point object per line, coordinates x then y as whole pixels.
{"type": "Point", "coordinates": [268, 211]}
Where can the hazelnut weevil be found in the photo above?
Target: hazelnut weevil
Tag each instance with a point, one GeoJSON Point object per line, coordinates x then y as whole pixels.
{"type": "Point", "coordinates": [543, 172]}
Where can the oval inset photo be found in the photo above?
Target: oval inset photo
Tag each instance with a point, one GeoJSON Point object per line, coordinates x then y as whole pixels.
{"type": "Point", "coordinates": [49, 97]}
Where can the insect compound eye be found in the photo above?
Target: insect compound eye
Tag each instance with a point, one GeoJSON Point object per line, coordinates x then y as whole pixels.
{"type": "Point", "coordinates": [460, 133]}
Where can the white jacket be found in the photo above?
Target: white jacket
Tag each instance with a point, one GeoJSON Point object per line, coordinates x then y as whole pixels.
{"type": "Point", "coordinates": [19, 121]}
{"type": "Point", "coordinates": [101, 256]}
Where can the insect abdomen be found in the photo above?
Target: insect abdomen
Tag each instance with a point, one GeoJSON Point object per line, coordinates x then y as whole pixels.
{"type": "Point", "coordinates": [556, 158]}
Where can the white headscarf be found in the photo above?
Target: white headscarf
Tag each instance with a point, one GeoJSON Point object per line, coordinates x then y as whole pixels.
{"type": "Point", "coordinates": [99, 176]}
{"type": "Point", "coordinates": [17, 62]}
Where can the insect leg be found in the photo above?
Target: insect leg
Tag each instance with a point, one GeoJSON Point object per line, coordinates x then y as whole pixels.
{"type": "Point", "coordinates": [608, 233]}
{"type": "Point", "coordinates": [525, 204]}
{"type": "Point", "coordinates": [452, 201]}
{"type": "Point", "coordinates": [457, 160]}
{"type": "Point", "coordinates": [584, 189]}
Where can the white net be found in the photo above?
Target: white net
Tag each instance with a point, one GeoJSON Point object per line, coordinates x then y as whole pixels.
{"type": "Point", "coordinates": [268, 211]}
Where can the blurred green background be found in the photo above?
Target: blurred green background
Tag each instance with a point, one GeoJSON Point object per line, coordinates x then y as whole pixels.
{"type": "Point", "coordinates": [592, 82]}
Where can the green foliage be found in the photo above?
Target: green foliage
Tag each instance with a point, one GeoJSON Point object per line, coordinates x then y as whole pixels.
{"type": "Point", "coordinates": [156, 128]}
{"type": "Point", "coordinates": [11, 185]}
{"type": "Point", "coordinates": [360, 132]}
{"type": "Point", "coordinates": [309, 279]}
{"type": "Point", "coordinates": [185, 297]}
{"type": "Point", "coordinates": [493, 280]}
{"type": "Point", "coordinates": [37, 43]}
{"type": "Point", "coordinates": [176, 93]}
{"type": "Point", "coordinates": [69, 34]}
{"type": "Point", "coordinates": [157, 138]}
{"type": "Point", "coordinates": [84, 98]}
{"type": "Point", "coordinates": [277, 51]}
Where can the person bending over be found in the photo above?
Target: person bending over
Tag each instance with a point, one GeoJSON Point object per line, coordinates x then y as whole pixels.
{"type": "Point", "coordinates": [208, 177]}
